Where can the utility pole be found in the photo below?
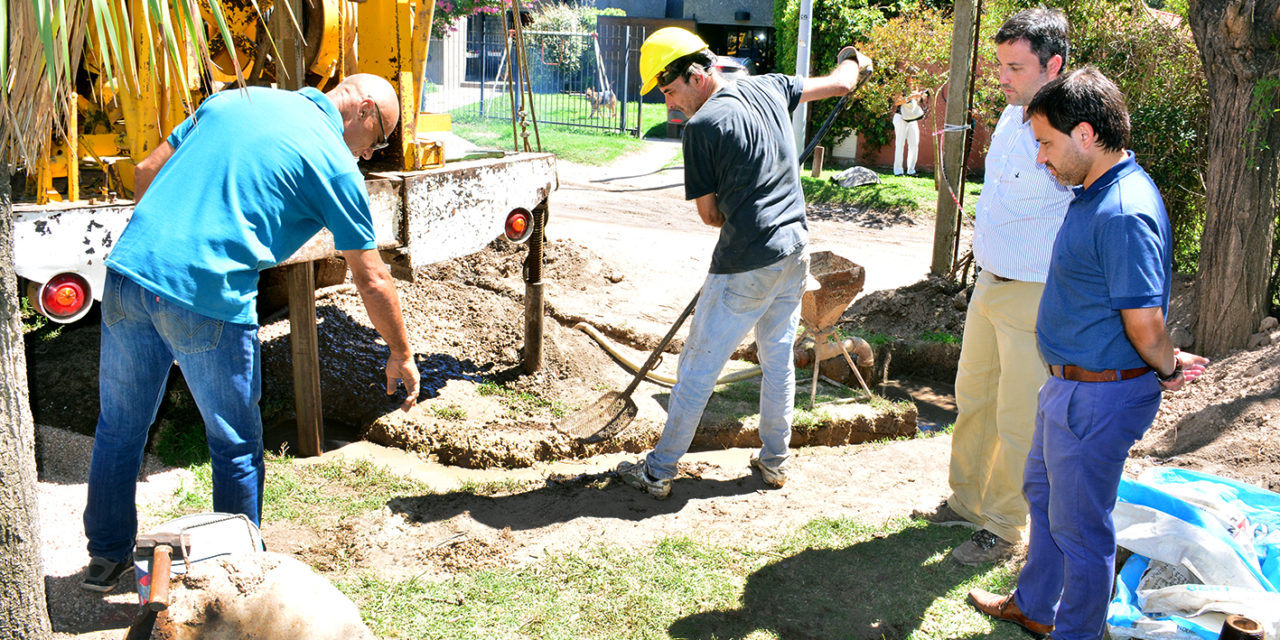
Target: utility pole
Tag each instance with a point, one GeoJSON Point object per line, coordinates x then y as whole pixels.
{"type": "Point", "coordinates": [801, 115]}
{"type": "Point", "coordinates": [962, 52]}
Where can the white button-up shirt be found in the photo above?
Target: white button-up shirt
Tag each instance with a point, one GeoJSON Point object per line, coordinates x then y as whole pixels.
{"type": "Point", "coordinates": [1021, 206]}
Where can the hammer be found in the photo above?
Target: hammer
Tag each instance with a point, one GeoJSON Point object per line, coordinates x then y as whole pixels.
{"type": "Point", "coordinates": [160, 549]}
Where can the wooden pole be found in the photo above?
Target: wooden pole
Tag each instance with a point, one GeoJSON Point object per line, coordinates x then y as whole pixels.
{"type": "Point", "coordinates": [300, 278]}
{"type": "Point", "coordinates": [305, 348]}
{"type": "Point", "coordinates": [289, 72]}
{"type": "Point", "coordinates": [73, 147]}
{"type": "Point", "coordinates": [958, 83]}
{"type": "Point", "coordinates": [818, 152]}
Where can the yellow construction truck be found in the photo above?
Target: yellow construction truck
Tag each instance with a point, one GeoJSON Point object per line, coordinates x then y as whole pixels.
{"type": "Point", "coordinates": [427, 204]}
{"type": "Point", "coordinates": [426, 209]}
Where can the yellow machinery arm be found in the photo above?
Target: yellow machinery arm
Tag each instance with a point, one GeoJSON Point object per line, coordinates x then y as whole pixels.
{"type": "Point", "coordinates": [146, 100]}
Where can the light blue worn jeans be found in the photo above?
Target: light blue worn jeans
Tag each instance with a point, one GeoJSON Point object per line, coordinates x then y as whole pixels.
{"type": "Point", "coordinates": [768, 299]}
{"type": "Point", "coordinates": [142, 336]}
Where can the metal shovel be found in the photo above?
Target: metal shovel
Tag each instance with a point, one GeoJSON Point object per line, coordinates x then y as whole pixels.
{"type": "Point", "coordinates": [609, 415]}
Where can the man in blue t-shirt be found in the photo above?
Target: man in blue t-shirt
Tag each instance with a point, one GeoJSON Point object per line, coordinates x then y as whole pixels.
{"type": "Point", "coordinates": [1101, 330]}
{"type": "Point", "coordinates": [743, 175]}
{"type": "Point", "coordinates": [235, 189]}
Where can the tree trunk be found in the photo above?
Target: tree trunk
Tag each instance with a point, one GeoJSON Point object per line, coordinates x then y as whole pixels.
{"type": "Point", "coordinates": [23, 614]}
{"type": "Point", "coordinates": [1241, 56]}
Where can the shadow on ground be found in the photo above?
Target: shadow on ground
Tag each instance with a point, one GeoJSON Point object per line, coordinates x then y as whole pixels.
{"type": "Point", "coordinates": [562, 503]}
{"type": "Point", "coordinates": [882, 588]}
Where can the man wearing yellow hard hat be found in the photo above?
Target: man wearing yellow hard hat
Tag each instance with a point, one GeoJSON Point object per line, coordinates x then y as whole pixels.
{"type": "Point", "coordinates": [741, 171]}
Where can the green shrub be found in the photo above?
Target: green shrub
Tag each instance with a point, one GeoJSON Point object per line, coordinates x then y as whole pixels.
{"type": "Point", "coordinates": [1154, 63]}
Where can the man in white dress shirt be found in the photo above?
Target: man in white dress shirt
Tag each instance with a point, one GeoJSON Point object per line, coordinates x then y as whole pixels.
{"type": "Point", "coordinates": [1001, 370]}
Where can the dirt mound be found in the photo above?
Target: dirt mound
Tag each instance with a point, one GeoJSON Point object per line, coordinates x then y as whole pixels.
{"type": "Point", "coordinates": [932, 305]}
{"type": "Point", "coordinates": [1227, 422]}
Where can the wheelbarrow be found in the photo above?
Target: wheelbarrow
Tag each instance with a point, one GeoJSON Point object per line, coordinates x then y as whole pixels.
{"type": "Point", "coordinates": [839, 280]}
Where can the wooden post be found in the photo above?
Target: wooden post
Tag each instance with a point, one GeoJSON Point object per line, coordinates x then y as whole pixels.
{"type": "Point", "coordinates": [73, 147]}
{"type": "Point", "coordinates": [289, 71]}
{"type": "Point", "coordinates": [944, 232]}
{"type": "Point", "coordinates": [305, 348]}
{"type": "Point", "coordinates": [300, 278]}
{"type": "Point", "coordinates": [818, 152]}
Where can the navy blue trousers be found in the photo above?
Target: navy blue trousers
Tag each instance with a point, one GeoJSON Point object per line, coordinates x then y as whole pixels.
{"type": "Point", "coordinates": [1082, 438]}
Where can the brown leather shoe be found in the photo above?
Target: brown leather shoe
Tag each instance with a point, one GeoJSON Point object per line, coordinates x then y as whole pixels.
{"type": "Point", "coordinates": [1004, 608]}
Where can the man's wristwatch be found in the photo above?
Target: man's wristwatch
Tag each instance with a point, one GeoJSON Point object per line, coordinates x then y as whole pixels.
{"type": "Point", "coordinates": [1177, 371]}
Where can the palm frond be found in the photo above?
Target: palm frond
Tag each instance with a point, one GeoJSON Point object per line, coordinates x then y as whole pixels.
{"type": "Point", "coordinates": [41, 43]}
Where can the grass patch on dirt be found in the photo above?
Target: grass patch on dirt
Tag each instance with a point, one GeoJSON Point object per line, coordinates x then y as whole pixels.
{"type": "Point", "coordinates": [908, 194]}
{"type": "Point", "coordinates": [832, 578]}
{"type": "Point", "coordinates": [302, 492]}
{"type": "Point", "coordinates": [522, 404]}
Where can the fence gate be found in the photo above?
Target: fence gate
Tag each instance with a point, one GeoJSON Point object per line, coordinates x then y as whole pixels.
{"type": "Point", "coordinates": [579, 79]}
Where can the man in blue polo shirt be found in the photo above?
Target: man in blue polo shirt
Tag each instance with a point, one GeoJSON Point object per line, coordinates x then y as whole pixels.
{"type": "Point", "coordinates": [1101, 330]}
{"type": "Point", "coordinates": [236, 188]}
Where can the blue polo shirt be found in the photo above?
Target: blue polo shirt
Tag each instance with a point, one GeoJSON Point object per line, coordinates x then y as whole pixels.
{"type": "Point", "coordinates": [1114, 251]}
{"type": "Point", "coordinates": [255, 174]}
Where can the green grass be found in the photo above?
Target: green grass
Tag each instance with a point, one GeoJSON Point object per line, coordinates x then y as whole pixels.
{"type": "Point", "coordinates": [832, 578]}
{"type": "Point", "coordinates": [522, 404]}
{"type": "Point", "coordinates": [450, 412]}
{"type": "Point", "coordinates": [916, 195]}
{"type": "Point", "coordinates": [940, 337]}
{"type": "Point", "coordinates": [578, 144]}
{"type": "Point", "coordinates": [35, 324]}
{"type": "Point", "coordinates": [299, 492]}
{"type": "Point", "coordinates": [873, 338]}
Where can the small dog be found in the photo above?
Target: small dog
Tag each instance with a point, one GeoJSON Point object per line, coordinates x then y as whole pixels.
{"type": "Point", "coordinates": [605, 100]}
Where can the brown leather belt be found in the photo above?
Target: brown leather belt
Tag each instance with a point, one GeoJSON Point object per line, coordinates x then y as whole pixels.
{"type": "Point", "coordinates": [999, 278]}
{"type": "Point", "coordinates": [1078, 374]}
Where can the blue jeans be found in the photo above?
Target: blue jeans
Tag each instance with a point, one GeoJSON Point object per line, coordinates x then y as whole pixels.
{"type": "Point", "coordinates": [768, 299]}
{"type": "Point", "coordinates": [1082, 438]}
{"type": "Point", "coordinates": [142, 336]}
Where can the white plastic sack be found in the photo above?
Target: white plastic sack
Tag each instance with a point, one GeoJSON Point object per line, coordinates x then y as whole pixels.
{"type": "Point", "coordinates": [1152, 533]}
{"type": "Point", "coordinates": [1192, 600]}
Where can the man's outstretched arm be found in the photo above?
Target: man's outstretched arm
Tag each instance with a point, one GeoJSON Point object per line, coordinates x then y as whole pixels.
{"type": "Point", "coordinates": [378, 291]}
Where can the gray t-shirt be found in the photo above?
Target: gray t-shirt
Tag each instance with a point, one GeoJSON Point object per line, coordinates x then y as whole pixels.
{"type": "Point", "coordinates": [739, 146]}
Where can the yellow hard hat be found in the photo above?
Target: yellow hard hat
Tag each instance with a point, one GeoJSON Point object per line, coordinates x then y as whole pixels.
{"type": "Point", "coordinates": [663, 47]}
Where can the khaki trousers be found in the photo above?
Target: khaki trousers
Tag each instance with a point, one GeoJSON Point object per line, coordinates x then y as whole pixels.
{"type": "Point", "coordinates": [1000, 373]}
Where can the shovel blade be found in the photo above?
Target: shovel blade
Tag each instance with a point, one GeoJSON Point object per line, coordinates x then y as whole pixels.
{"type": "Point", "coordinates": [604, 419]}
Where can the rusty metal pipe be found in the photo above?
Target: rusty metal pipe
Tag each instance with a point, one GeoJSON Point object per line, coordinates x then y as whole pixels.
{"type": "Point", "coordinates": [533, 293]}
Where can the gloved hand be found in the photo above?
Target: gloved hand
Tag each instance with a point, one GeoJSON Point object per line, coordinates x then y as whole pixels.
{"type": "Point", "coordinates": [865, 66]}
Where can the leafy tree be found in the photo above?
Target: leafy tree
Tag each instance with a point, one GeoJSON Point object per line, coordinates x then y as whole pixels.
{"type": "Point", "coordinates": [1240, 48]}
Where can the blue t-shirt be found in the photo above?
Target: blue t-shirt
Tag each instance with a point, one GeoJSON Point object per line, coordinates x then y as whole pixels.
{"type": "Point", "coordinates": [1114, 251]}
{"type": "Point", "coordinates": [740, 146]}
{"type": "Point", "coordinates": [254, 174]}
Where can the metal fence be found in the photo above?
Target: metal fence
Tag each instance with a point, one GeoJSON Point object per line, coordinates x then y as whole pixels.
{"type": "Point", "coordinates": [582, 80]}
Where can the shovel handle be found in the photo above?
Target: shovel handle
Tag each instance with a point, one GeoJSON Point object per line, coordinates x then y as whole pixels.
{"type": "Point", "coordinates": [160, 565]}
{"type": "Point", "coordinates": [657, 353]}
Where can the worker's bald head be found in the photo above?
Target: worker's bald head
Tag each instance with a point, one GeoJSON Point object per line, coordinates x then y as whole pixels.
{"type": "Point", "coordinates": [370, 111]}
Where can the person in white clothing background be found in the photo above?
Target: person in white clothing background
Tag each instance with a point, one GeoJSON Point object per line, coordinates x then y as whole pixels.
{"type": "Point", "coordinates": [908, 110]}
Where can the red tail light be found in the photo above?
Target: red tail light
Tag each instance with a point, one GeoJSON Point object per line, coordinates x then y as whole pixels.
{"type": "Point", "coordinates": [66, 297]}
{"type": "Point", "coordinates": [519, 225]}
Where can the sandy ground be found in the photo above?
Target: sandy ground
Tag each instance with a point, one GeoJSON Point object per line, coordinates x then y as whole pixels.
{"type": "Point", "coordinates": [626, 252]}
